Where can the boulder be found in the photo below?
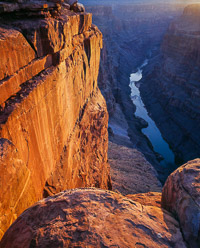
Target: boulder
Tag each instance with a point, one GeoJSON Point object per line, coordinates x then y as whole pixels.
{"type": "Point", "coordinates": [93, 218]}
{"type": "Point", "coordinates": [181, 196]}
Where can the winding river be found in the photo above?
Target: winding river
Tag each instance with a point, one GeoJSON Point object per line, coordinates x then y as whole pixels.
{"type": "Point", "coordinates": [151, 132]}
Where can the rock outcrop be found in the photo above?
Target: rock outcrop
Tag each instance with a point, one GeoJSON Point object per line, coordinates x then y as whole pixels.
{"type": "Point", "coordinates": [181, 196]}
{"type": "Point", "coordinates": [171, 85]}
{"type": "Point", "coordinates": [53, 118]}
{"type": "Point", "coordinates": [93, 218]}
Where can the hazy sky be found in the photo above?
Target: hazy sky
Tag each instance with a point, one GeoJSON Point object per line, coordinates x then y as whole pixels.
{"type": "Point", "coordinates": [136, 1]}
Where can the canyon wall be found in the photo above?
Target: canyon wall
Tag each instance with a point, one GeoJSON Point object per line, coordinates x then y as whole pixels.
{"type": "Point", "coordinates": [48, 82]}
{"type": "Point", "coordinates": [171, 85]}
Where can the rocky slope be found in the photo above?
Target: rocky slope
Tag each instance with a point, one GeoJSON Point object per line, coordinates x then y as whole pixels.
{"type": "Point", "coordinates": [171, 85]}
{"type": "Point", "coordinates": [98, 218]}
{"type": "Point", "coordinates": [130, 171]}
{"type": "Point", "coordinates": [48, 83]}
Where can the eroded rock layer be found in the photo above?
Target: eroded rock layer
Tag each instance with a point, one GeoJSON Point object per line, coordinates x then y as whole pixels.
{"type": "Point", "coordinates": [53, 118]}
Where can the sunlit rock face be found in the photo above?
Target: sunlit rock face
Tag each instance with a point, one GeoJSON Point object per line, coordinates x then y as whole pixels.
{"type": "Point", "coordinates": [171, 85]}
{"type": "Point", "coordinates": [93, 218]}
{"type": "Point", "coordinates": [53, 118]}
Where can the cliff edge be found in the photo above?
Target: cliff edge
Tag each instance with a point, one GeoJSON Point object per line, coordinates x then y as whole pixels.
{"type": "Point", "coordinates": [48, 82]}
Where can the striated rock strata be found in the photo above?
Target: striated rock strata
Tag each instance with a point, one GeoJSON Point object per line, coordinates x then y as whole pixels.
{"type": "Point", "coordinates": [93, 218]}
{"type": "Point", "coordinates": [53, 118]}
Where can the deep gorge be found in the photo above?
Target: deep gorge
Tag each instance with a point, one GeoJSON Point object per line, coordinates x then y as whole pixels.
{"type": "Point", "coordinates": [131, 34]}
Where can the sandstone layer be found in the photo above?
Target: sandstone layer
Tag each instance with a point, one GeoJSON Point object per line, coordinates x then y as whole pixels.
{"type": "Point", "coordinates": [171, 86]}
{"type": "Point", "coordinates": [93, 218]}
{"type": "Point", "coordinates": [181, 196]}
{"type": "Point", "coordinates": [53, 118]}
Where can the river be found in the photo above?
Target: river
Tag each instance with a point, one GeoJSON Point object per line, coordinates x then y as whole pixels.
{"type": "Point", "coordinates": [151, 132]}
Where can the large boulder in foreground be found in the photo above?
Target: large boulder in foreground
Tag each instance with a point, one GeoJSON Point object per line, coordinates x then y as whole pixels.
{"type": "Point", "coordinates": [93, 218]}
{"type": "Point", "coordinates": [181, 196]}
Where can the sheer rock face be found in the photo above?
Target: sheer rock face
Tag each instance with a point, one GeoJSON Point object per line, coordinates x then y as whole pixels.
{"type": "Point", "coordinates": [53, 118]}
{"type": "Point", "coordinates": [181, 196]}
{"type": "Point", "coordinates": [93, 218]}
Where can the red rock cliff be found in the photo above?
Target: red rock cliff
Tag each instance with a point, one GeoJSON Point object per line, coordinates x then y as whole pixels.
{"type": "Point", "coordinates": [53, 118]}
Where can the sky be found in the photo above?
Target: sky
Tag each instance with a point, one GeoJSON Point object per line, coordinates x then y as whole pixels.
{"type": "Point", "coordinates": [135, 1]}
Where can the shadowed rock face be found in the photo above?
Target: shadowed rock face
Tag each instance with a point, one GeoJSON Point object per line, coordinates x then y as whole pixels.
{"type": "Point", "coordinates": [53, 118]}
{"type": "Point", "coordinates": [181, 196]}
{"type": "Point", "coordinates": [171, 85]}
{"type": "Point", "coordinates": [93, 218]}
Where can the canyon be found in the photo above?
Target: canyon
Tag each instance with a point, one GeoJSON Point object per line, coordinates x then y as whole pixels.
{"type": "Point", "coordinates": [132, 33]}
{"type": "Point", "coordinates": [64, 147]}
{"type": "Point", "coordinates": [170, 86]}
